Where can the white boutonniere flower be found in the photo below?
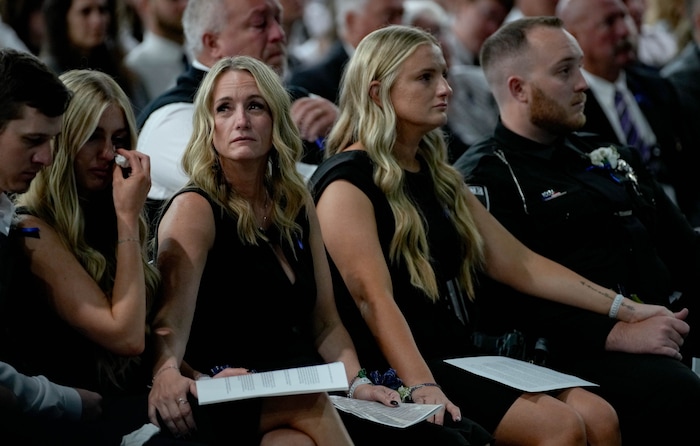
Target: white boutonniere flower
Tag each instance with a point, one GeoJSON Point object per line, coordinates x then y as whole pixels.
{"type": "Point", "coordinates": [608, 158]}
{"type": "Point", "coordinates": [605, 157]}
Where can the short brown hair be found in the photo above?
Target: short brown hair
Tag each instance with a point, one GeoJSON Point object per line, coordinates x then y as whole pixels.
{"type": "Point", "coordinates": [26, 80]}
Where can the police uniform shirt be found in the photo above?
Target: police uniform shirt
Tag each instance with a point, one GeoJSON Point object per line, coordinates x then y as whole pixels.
{"type": "Point", "coordinates": [620, 233]}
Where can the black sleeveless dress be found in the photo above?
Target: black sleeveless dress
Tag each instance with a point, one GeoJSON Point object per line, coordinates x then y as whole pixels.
{"type": "Point", "coordinates": [436, 327]}
{"type": "Point", "coordinates": [250, 315]}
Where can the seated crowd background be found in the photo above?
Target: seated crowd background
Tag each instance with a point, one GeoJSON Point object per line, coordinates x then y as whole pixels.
{"type": "Point", "coordinates": [397, 181]}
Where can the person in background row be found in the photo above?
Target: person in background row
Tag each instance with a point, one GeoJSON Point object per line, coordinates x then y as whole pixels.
{"type": "Point", "coordinates": [354, 20]}
{"type": "Point", "coordinates": [473, 21]}
{"type": "Point", "coordinates": [160, 57]}
{"type": "Point", "coordinates": [656, 43]}
{"type": "Point", "coordinates": [531, 8]}
{"type": "Point", "coordinates": [670, 17]}
{"type": "Point", "coordinates": [682, 73]}
{"type": "Point", "coordinates": [311, 34]}
{"type": "Point", "coordinates": [295, 31]}
{"type": "Point", "coordinates": [629, 103]}
{"type": "Point", "coordinates": [84, 34]}
{"type": "Point", "coordinates": [26, 19]}
{"type": "Point", "coordinates": [590, 205]}
{"type": "Point", "coordinates": [90, 285]}
{"type": "Point", "coordinates": [32, 103]}
{"type": "Point", "coordinates": [406, 237]}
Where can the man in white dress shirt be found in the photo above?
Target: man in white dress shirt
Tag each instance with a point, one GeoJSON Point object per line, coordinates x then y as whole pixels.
{"type": "Point", "coordinates": [648, 117]}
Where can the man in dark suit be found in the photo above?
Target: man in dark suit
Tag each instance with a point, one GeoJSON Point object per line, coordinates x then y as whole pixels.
{"type": "Point", "coordinates": [683, 73]}
{"type": "Point", "coordinates": [354, 19]}
{"type": "Point", "coordinates": [593, 207]}
{"type": "Point", "coordinates": [651, 121]}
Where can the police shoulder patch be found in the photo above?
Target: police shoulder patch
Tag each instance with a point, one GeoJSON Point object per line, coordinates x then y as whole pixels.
{"type": "Point", "coordinates": [480, 192]}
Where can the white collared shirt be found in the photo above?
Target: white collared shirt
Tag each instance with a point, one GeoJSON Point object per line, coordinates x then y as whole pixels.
{"type": "Point", "coordinates": [604, 92]}
{"type": "Point", "coordinates": [163, 138]}
{"type": "Point", "coordinates": [7, 211]}
{"type": "Point", "coordinates": [157, 61]}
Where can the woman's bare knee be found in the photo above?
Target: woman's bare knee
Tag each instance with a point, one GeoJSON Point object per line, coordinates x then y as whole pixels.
{"type": "Point", "coordinates": [312, 414]}
{"type": "Point", "coordinates": [541, 420]}
{"type": "Point", "coordinates": [599, 416]}
{"type": "Point", "coordinates": [286, 437]}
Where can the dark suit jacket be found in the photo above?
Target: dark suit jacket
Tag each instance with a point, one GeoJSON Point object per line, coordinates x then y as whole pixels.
{"type": "Point", "coordinates": [323, 78]}
{"type": "Point", "coordinates": [671, 159]}
{"type": "Point", "coordinates": [684, 75]}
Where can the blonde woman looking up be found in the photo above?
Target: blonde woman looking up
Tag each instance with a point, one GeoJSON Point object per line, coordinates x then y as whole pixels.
{"type": "Point", "coordinates": [246, 223]}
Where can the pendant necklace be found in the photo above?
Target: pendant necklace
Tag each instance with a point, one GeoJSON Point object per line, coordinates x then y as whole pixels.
{"type": "Point", "coordinates": [263, 225]}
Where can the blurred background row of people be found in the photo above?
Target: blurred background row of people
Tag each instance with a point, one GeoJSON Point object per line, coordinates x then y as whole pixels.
{"type": "Point", "coordinates": [146, 36]}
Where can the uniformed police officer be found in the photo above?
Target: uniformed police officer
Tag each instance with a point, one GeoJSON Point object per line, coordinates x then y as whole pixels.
{"type": "Point", "coordinates": [592, 207]}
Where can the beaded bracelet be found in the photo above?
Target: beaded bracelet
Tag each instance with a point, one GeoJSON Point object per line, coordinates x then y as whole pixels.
{"type": "Point", "coordinates": [362, 373]}
{"type": "Point", "coordinates": [615, 307]}
{"type": "Point", "coordinates": [418, 386]}
{"type": "Point", "coordinates": [357, 382]}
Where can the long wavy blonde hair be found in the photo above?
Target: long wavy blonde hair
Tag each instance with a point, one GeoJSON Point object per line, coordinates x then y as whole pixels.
{"type": "Point", "coordinates": [378, 58]}
{"type": "Point", "coordinates": [284, 184]}
{"type": "Point", "coordinates": [53, 195]}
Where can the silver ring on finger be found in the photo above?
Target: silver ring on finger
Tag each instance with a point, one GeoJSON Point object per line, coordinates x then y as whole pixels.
{"type": "Point", "coordinates": [182, 401]}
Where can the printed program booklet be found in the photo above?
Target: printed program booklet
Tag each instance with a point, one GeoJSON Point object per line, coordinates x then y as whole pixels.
{"type": "Point", "coordinates": [319, 378]}
{"type": "Point", "coordinates": [518, 374]}
{"type": "Point", "coordinates": [404, 415]}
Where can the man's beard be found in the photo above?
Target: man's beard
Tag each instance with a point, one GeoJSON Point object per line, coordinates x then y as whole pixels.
{"type": "Point", "coordinates": [548, 114]}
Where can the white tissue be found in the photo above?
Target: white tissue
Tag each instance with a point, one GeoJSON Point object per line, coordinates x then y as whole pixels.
{"type": "Point", "coordinates": [121, 161]}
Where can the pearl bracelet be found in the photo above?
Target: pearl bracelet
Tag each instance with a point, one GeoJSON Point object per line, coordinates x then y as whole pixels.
{"type": "Point", "coordinates": [358, 381]}
{"type": "Point", "coordinates": [615, 307]}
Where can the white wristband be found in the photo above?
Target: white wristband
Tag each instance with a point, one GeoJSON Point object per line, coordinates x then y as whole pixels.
{"type": "Point", "coordinates": [615, 307]}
